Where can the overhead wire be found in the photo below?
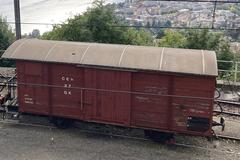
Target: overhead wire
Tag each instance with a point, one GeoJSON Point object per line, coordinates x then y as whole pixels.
{"type": "Point", "coordinates": [131, 26]}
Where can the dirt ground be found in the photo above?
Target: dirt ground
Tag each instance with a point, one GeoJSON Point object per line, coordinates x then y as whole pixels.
{"type": "Point", "coordinates": [232, 127]}
{"type": "Point", "coordinates": [19, 142]}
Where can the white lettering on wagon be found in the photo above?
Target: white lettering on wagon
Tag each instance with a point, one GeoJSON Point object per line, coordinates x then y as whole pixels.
{"type": "Point", "coordinates": [68, 79]}
{"type": "Point", "coordinates": [28, 99]}
{"type": "Point", "coordinates": [67, 85]}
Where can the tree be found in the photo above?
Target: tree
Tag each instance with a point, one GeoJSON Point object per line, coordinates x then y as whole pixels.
{"type": "Point", "coordinates": [137, 37]}
{"type": "Point", "coordinates": [203, 39]}
{"type": "Point", "coordinates": [211, 41]}
{"type": "Point", "coordinates": [172, 39]}
{"type": "Point", "coordinates": [6, 38]}
{"type": "Point", "coordinates": [34, 34]}
{"type": "Point", "coordinates": [74, 29]}
{"type": "Point", "coordinates": [100, 21]}
{"type": "Point", "coordinates": [200, 39]}
{"type": "Point", "coordinates": [160, 34]}
{"type": "Point", "coordinates": [225, 54]}
{"type": "Point", "coordinates": [234, 34]}
{"type": "Point", "coordinates": [98, 24]}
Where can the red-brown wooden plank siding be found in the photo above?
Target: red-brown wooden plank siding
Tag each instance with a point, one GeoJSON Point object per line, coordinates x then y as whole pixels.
{"type": "Point", "coordinates": [104, 105]}
{"type": "Point", "coordinates": [33, 99]}
{"type": "Point", "coordinates": [116, 97]}
{"type": "Point", "coordinates": [148, 110]}
{"type": "Point", "coordinates": [66, 101]}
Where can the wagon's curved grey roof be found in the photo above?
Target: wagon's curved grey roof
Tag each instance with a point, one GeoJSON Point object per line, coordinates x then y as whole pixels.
{"type": "Point", "coordinates": [188, 61]}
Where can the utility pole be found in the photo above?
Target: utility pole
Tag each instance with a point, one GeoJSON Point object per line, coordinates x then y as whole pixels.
{"type": "Point", "coordinates": [17, 19]}
{"type": "Point", "coordinates": [214, 13]}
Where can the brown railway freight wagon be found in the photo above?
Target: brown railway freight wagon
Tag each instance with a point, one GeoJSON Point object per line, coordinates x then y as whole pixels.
{"type": "Point", "coordinates": [164, 89]}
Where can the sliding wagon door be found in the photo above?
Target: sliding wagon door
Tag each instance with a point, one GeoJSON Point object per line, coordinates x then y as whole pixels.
{"type": "Point", "coordinates": [66, 94]}
{"type": "Point", "coordinates": [104, 99]}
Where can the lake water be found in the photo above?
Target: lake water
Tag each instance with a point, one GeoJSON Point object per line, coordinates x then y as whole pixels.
{"type": "Point", "coordinates": [45, 11]}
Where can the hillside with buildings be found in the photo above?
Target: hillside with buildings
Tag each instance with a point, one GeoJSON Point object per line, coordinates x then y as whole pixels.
{"type": "Point", "coordinates": [179, 14]}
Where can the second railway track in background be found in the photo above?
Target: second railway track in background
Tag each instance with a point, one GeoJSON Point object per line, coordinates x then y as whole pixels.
{"type": "Point", "coordinates": [227, 107]}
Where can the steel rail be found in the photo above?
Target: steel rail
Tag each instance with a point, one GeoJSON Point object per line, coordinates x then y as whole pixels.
{"type": "Point", "coordinates": [227, 137]}
{"type": "Point", "coordinates": [235, 103]}
{"type": "Point", "coordinates": [16, 122]}
{"type": "Point", "coordinates": [228, 113]}
{"type": "Point", "coordinates": [228, 104]}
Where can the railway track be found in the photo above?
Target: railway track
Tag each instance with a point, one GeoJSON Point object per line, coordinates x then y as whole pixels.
{"type": "Point", "coordinates": [228, 113]}
{"type": "Point", "coordinates": [228, 137]}
{"type": "Point", "coordinates": [98, 132]}
{"type": "Point", "coordinates": [226, 107]}
{"type": "Point", "coordinates": [135, 138]}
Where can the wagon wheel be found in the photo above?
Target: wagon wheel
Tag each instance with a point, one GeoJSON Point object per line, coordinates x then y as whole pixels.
{"type": "Point", "coordinates": [158, 136]}
{"type": "Point", "coordinates": [62, 123]}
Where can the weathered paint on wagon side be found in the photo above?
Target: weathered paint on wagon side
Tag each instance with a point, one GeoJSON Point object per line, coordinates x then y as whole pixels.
{"type": "Point", "coordinates": [131, 99]}
{"type": "Point", "coordinates": [164, 101]}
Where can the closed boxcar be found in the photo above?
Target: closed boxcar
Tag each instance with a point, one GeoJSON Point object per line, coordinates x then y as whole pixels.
{"type": "Point", "coordinates": [163, 89]}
